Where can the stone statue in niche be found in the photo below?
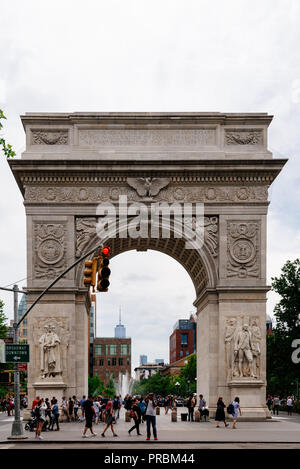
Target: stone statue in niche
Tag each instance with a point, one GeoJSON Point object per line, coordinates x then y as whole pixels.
{"type": "Point", "coordinates": [243, 350]}
{"type": "Point", "coordinates": [50, 355]}
{"type": "Point", "coordinates": [242, 347]}
{"type": "Point", "coordinates": [255, 338]}
{"type": "Point", "coordinates": [229, 346]}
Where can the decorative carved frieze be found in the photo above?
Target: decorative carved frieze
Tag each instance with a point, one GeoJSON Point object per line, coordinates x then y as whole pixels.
{"type": "Point", "coordinates": [244, 137]}
{"type": "Point", "coordinates": [173, 193]}
{"type": "Point", "coordinates": [49, 247]}
{"type": "Point", "coordinates": [147, 137]}
{"type": "Point", "coordinates": [243, 249]}
{"type": "Point", "coordinates": [242, 347]}
{"type": "Point", "coordinates": [49, 137]}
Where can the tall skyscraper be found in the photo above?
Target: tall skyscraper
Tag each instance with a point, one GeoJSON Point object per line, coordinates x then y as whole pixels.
{"type": "Point", "coordinates": [143, 359]}
{"type": "Point", "coordinates": [120, 331]}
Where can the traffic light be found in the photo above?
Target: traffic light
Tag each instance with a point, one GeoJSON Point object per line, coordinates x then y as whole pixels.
{"type": "Point", "coordinates": [90, 273]}
{"type": "Point", "coordinates": [103, 270]}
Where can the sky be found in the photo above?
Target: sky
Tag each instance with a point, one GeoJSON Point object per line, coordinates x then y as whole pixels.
{"type": "Point", "coordinates": [191, 55]}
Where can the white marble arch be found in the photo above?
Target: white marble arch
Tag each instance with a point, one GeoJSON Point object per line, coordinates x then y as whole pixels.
{"type": "Point", "coordinates": [74, 161]}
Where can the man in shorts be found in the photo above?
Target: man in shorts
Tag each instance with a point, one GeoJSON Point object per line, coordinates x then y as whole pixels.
{"type": "Point", "coordinates": [89, 411]}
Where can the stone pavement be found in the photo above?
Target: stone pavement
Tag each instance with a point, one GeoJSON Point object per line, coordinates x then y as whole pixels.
{"type": "Point", "coordinates": [281, 429]}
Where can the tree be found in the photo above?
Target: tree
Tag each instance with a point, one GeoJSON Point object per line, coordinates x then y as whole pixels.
{"type": "Point", "coordinates": [3, 319]}
{"type": "Point", "coordinates": [6, 147]}
{"type": "Point", "coordinates": [110, 390]}
{"type": "Point", "coordinates": [95, 386]}
{"type": "Point", "coordinates": [282, 373]}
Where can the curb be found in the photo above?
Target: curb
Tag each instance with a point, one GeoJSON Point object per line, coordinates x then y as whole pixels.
{"type": "Point", "coordinates": [164, 442]}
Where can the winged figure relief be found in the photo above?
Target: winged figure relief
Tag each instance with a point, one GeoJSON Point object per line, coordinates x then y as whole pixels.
{"type": "Point", "coordinates": [148, 187]}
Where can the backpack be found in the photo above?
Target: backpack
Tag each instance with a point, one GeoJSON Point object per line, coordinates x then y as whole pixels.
{"type": "Point", "coordinates": [230, 409]}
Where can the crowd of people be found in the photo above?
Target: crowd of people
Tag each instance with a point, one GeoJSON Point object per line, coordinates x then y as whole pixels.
{"type": "Point", "coordinates": [93, 410]}
{"type": "Point", "coordinates": [274, 403]}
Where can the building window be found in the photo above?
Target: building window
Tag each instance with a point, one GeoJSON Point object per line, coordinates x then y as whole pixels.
{"type": "Point", "coordinates": [184, 340]}
{"type": "Point", "coordinates": [25, 332]}
{"type": "Point", "coordinates": [24, 322]}
{"type": "Point", "coordinates": [187, 353]}
{"type": "Point", "coordinates": [120, 361]}
{"type": "Point", "coordinates": [123, 349]}
{"type": "Point", "coordinates": [128, 362]}
{"type": "Point", "coordinates": [114, 362]}
{"type": "Point", "coordinates": [181, 353]}
{"type": "Point", "coordinates": [113, 349]}
{"type": "Point", "coordinates": [108, 362]}
{"type": "Point", "coordinates": [106, 373]}
{"type": "Point", "coordinates": [101, 362]}
{"type": "Point", "coordinates": [98, 349]}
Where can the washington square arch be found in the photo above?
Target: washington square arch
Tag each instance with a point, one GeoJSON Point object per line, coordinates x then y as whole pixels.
{"type": "Point", "coordinates": [74, 162]}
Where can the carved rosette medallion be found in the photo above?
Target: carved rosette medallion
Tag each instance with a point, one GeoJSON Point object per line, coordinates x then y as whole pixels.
{"type": "Point", "coordinates": [243, 249]}
{"type": "Point", "coordinates": [49, 250]}
{"type": "Point", "coordinates": [49, 137]}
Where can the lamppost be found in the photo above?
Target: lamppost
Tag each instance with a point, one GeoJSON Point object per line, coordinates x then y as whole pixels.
{"type": "Point", "coordinates": [188, 381]}
{"type": "Point", "coordinates": [177, 387]}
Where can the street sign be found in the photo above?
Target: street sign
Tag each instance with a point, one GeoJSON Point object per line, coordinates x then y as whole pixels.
{"type": "Point", "coordinates": [22, 366]}
{"type": "Point", "coordinates": [16, 353]}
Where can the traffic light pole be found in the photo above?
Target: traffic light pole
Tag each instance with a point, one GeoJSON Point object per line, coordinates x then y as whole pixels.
{"type": "Point", "coordinates": [17, 428]}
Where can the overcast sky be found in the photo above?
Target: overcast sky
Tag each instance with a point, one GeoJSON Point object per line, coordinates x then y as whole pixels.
{"type": "Point", "coordinates": [192, 55]}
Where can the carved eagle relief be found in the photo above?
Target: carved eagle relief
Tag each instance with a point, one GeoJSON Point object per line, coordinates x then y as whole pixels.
{"type": "Point", "coordinates": [148, 187]}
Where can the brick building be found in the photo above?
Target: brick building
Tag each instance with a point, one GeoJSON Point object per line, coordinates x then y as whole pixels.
{"type": "Point", "coordinates": [183, 339]}
{"type": "Point", "coordinates": [111, 356]}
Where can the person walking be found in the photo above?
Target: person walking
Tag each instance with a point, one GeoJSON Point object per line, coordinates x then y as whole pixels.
{"type": "Point", "coordinates": [191, 405]}
{"type": "Point", "coordinates": [202, 407]}
{"type": "Point", "coordinates": [289, 404]}
{"type": "Point", "coordinates": [81, 406]}
{"type": "Point", "coordinates": [143, 407]}
{"type": "Point", "coordinates": [54, 416]}
{"type": "Point", "coordinates": [276, 404]}
{"type": "Point", "coordinates": [76, 407]}
{"type": "Point", "coordinates": [151, 415]}
{"type": "Point", "coordinates": [135, 413]}
{"type": "Point", "coordinates": [269, 402]}
{"type": "Point", "coordinates": [109, 412]}
{"type": "Point", "coordinates": [220, 413]}
{"type": "Point", "coordinates": [40, 414]}
{"type": "Point", "coordinates": [236, 411]}
{"type": "Point", "coordinates": [89, 411]}
{"type": "Point", "coordinates": [97, 410]}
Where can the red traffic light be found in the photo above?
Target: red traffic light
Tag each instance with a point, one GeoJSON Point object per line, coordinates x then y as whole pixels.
{"type": "Point", "coordinates": [106, 251]}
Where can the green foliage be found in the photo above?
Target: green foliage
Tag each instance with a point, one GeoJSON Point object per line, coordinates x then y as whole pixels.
{"type": "Point", "coordinates": [3, 319]}
{"type": "Point", "coordinates": [95, 386]}
{"type": "Point", "coordinates": [109, 390]}
{"type": "Point", "coordinates": [6, 147]}
{"type": "Point", "coordinates": [167, 385]}
{"type": "Point", "coordinates": [3, 392]}
{"type": "Point", "coordinates": [281, 371]}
